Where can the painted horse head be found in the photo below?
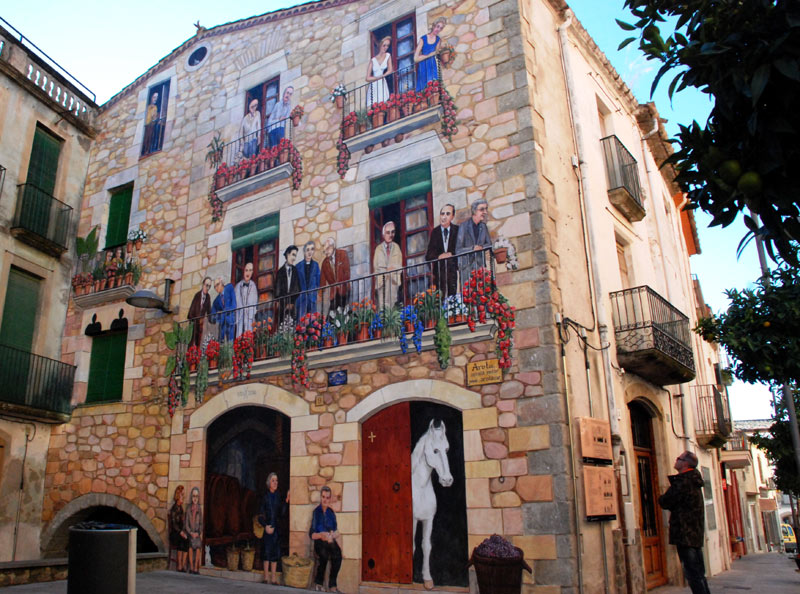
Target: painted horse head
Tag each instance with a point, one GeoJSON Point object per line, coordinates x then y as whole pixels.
{"type": "Point", "coordinates": [436, 447]}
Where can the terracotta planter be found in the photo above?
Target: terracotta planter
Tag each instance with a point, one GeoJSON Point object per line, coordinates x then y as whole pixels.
{"type": "Point", "coordinates": [283, 156]}
{"type": "Point", "coordinates": [103, 283]}
{"type": "Point", "coordinates": [212, 364]}
{"type": "Point", "coordinates": [138, 244]}
{"type": "Point", "coordinates": [458, 319]}
{"type": "Point", "coordinates": [328, 343]}
{"type": "Point", "coordinates": [408, 110]}
{"type": "Point", "coordinates": [378, 119]}
{"type": "Point", "coordinates": [339, 101]}
{"type": "Point", "coordinates": [96, 286]}
{"type": "Point", "coordinates": [363, 332]}
{"type": "Point", "coordinates": [433, 99]}
{"type": "Point", "coordinates": [129, 278]}
{"type": "Point", "coordinates": [129, 246]}
{"type": "Point", "coordinates": [342, 338]}
{"type": "Point", "coordinates": [377, 333]}
{"type": "Point", "coordinates": [295, 120]}
{"type": "Point", "coordinates": [393, 114]}
{"type": "Point", "coordinates": [409, 327]}
{"type": "Point", "coordinates": [420, 107]}
{"type": "Point", "coordinates": [253, 169]}
{"type": "Point", "coordinates": [429, 324]}
{"type": "Point", "coordinates": [500, 255]}
{"type": "Point", "coordinates": [349, 130]}
{"type": "Point", "coordinates": [193, 367]}
{"type": "Point", "coordinates": [445, 56]}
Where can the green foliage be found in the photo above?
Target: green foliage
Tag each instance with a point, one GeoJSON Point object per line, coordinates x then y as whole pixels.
{"type": "Point", "coordinates": [392, 324]}
{"type": "Point", "coordinates": [777, 444]}
{"type": "Point", "coordinates": [225, 362]}
{"type": "Point", "coordinates": [87, 246]}
{"type": "Point", "coordinates": [745, 55]}
{"type": "Point", "coordinates": [442, 340]}
{"type": "Point", "coordinates": [761, 329]}
{"type": "Point", "coordinates": [214, 154]}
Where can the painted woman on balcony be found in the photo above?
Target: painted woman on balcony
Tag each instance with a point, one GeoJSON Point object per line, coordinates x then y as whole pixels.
{"type": "Point", "coordinates": [380, 66]}
{"type": "Point", "coordinates": [425, 55]}
{"type": "Point", "coordinates": [248, 132]}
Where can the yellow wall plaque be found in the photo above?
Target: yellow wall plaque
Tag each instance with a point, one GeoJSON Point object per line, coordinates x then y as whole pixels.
{"type": "Point", "coordinates": [484, 372]}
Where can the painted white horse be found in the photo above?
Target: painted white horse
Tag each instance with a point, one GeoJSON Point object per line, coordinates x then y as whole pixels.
{"type": "Point", "coordinates": [430, 453]}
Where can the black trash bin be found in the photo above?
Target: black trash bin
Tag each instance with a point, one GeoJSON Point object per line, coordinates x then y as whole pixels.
{"type": "Point", "coordinates": [102, 559]}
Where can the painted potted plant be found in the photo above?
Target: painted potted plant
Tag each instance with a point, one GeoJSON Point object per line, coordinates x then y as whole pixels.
{"type": "Point", "coordinates": [390, 320]}
{"type": "Point", "coordinates": [193, 357]}
{"type": "Point", "coordinates": [99, 277]}
{"type": "Point", "coordinates": [445, 51]}
{"type": "Point", "coordinates": [498, 566]}
{"type": "Point", "coordinates": [337, 95]}
{"type": "Point", "coordinates": [137, 236]}
{"type": "Point", "coordinates": [505, 253]}
{"type": "Point", "coordinates": [211, 352]}
{"type": "Point", "coordinates": [296, 114]}
{"type": "Point", "coordinates": [432, 93]}
{"type": "Point", "coordinates": [363, 314]}
{"type": "Point", "coordinates": [409, 319]}
{"type": "Point", "coordinates": [221, 176]}
{"type": "Point", "coordinates": [377, 113]}
{"type": "Point", "coordinates": [349, 124]}
{"type": "Point", "coordinates": [362, 121]}
{"type": "Point", "coordinates": [342, 323]}
{"type": "Point", "coordinates": [441, 340]}
{"type": "Point", "coordinates": [429, 306]}
{"type": "Point", "coordinates": [484, 300]}
{"type": "Point", "coordinates": [214, 154]}
{"type": "Point", "coordinates": [455, 310]}
{"type": "Point", "coordinates": [201, 381]}
{"type": "Point", "coordinates": [393, 108]}
{"type": "Point", "coordinates": [225, 360]}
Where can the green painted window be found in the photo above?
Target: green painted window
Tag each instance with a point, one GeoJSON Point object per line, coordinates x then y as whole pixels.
{"type": "Point", "coordinates": [107, 367]}
{"type": "Point", "coordinates": [19, 311]}
{"type": "Point", "coordinates": [119, 214]}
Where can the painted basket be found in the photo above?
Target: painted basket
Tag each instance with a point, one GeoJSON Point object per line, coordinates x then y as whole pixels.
{"type": "Point", "coordinates": [296, 570]}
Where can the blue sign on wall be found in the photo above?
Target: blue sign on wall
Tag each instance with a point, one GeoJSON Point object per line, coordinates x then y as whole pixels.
{"type": "Point", "coordinates": [337, 378]}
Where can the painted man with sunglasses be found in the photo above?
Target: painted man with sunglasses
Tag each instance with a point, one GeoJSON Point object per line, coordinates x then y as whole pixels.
{"type": "Point", "coordinates": [684, 499]}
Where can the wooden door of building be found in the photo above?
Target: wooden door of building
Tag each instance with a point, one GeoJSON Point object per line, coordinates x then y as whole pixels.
{"type": "Point", "coordinates": [647, 484]}
{"type": "Point", "coordinates": [387, 523]}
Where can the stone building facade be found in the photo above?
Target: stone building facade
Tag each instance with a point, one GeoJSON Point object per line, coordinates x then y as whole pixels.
{"type": "Point", "coordinates": [46, 128]}
{"type": "Point", "coordinates": [567, 160]}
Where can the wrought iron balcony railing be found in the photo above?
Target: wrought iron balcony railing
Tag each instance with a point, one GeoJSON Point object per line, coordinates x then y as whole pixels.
{"type": "Point", "coordinates": [255, 160]}
{"type": "Point", "coordinates": [35, 387]}
{"type": "Point", "coordinates": [374, 113]}
{"type": "Point", "coordinates": [355, 311]}
{"type": "Point", "coordinates": [41, 221]}
{"type": "Point", "coordinates": [713, 419]}
{"type": "Point", "coordinates": [738, 442]}
{"type": "Point", "coordinates": [653, 337]}
{"type": "Point", "coordinates": [622, 175]}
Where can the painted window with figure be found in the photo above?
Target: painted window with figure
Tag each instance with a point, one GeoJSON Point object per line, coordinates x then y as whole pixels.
{"type": "Point", "coordinates": [401, 35]}
{"type": "Point", "coordinates": [256, 114]}
{"type": "Point", "coordinates": [155, 118]}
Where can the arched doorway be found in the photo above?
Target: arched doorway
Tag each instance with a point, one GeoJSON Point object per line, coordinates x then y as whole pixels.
{"type": "Point", "coordinates": [243, 445]}
{"type": "Point", "coordinates": [392, 444]}
{"type": "Point", "coordinates": [647, 486]}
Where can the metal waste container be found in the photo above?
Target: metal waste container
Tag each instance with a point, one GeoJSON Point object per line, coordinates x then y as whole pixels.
{"type": "Point", "coordinates": [102, 559]}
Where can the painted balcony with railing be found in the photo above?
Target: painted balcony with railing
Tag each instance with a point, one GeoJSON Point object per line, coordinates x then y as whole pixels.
{"type": "Point", "coordinates": [653, 337]}
{"type": "Point", "coordinates": [23, 60]}
{"type": "Point", "coordinates": [622, 176]}
{"type": "Point", "coordinates": [110, 275]}
{"type": "Point", "coordinates": [713, 418]}
{"type": "Point", "coordinates": [40, 220]}
{"type": "Point", "coordinates": [382, 314]}
{"type": "Point", "coordinates": [35, 387]}
{"type": "Point", "coordinates": [389, 108]}
{"type": "Point", "coordinates": [256, 160]}
{"type": "Point", "coordinates": [736, 453]}
{"type": "Point", "coordinates": [153, 140]}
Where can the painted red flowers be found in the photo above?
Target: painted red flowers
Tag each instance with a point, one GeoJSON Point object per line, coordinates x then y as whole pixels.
{"type": "Point", "coordinates": [481, 295]}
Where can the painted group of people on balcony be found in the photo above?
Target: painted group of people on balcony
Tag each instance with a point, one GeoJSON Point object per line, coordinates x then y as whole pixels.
{"type": "Point", "coordinates": [275, 128]}
{"type": "Point", "coordinates": [380, 66]}
{"type": "Point", "coordinates": [453, 251]}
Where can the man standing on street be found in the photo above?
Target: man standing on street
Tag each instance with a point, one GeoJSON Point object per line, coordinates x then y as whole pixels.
{"type": "Point", "coordinates": [684, 499]}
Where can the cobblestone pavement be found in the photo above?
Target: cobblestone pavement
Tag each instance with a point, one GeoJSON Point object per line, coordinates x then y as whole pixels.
{"type": "Point", "coordinates": [766, 573]}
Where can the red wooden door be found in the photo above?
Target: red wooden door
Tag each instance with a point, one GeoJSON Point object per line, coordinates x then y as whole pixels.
{"type": "Point", "coordinates": [386, 552]}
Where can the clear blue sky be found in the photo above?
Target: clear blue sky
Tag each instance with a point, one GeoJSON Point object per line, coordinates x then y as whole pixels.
{"type": "Point", "coordinates": [106, 45]}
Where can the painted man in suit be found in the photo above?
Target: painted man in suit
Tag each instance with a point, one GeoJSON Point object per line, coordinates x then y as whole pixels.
{"type": "Point", "coordinates": [198, 310]}
{"type": "Point", "coordinates": [473, 238]}
{"type": "Point", "coordinates": [287, 285]}
{"type": "Point", "coordinates": [336, 269]}
{"type": "Point", "coordinates": [308, 274]}
{"type": "Point", "coordinates": [246, 296]}
{"type": "Point", "coordinates": [387, 257]}
{"type": "Point", "coordinates": [442, 245]}
{"type": "Point", "coordinates": [222, 310]}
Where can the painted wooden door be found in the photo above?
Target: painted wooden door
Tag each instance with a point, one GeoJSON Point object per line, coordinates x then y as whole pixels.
{"type": "Point", "coordinates": [647, 483]}
{"type": "Point", "coordinates": [387, 542]}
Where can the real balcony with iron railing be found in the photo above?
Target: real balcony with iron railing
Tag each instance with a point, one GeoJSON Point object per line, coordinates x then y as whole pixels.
{"type": "Point", "coordinates": [653, 337]}
{"type": "Point", "coordinates": [622, 176]}
{"type": "Point", "coordinates": [713, 419]}
{"type": "Point", "coordinates": [736, 452]}
{"type": "Point", "coordinates": [361, 317]}
{"type": "Point", "coordinates": [41, 220]}
{"type": "Point", "coordinates": [372, 114]}
{"type": "Point", "coordinates": [256, 160]}
{"type": "Point", "coordinates": [35, 387]}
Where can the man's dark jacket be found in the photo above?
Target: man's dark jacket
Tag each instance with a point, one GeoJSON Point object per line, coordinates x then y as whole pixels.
{"type": "Point", "coordinates": [684, 499]}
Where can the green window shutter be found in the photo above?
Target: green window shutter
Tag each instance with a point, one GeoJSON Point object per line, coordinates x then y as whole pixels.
{"type": "Point", "coordinates": [107, 367]}
{"type": "Point", "coordinates": [44, 161]}
{"type": "Point", "coordinates": [119, 214]}
{"type": "Point", "coordinates": [19, 311]}
{"type": "Point", "coordinates": [400, 185]}
{"type": "Point", "coordinates": [256, 231]}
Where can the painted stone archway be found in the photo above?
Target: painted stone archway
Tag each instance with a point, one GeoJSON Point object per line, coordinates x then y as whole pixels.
{"type": "Point", "coordinates": [93, 500]}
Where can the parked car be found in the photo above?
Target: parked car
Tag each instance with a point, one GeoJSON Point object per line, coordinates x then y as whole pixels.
{"type": "Point", "coordinates": [789, 539]}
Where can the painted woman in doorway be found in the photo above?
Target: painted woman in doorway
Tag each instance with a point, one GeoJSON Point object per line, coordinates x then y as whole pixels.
{"type": "Point", "coordinates": [380, 67]}
{"type": "Point", "coordinates": [272, 507]}
{"type": "Point", "coordinates": [193, 526]}
{"type": "Point", "coordinates": [425, 55]}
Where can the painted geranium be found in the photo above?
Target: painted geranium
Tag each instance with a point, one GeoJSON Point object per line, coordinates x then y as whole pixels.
{"type": "Point", "coordinates": [307, 334]}
{"type": "Point", "coordinates": [243, 351]}
{"type": "Point", "coordinates": [481, 295]}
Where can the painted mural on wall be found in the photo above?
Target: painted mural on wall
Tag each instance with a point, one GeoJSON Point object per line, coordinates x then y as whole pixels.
{"type": "Point", "coordinates": [414, 499]}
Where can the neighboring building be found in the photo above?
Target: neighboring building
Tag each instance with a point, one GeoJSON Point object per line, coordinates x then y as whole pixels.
{"type": "Point", "coordinates": [201, 153]}
{"type": "Point", "coordinates": [753, 501]}
{"type": "Point", "coordinates": [46, 128]}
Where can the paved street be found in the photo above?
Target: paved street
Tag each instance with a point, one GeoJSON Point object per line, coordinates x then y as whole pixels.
{"type": "Point", "coordinates": [768, 573]}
